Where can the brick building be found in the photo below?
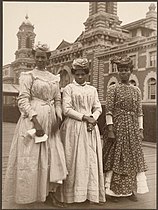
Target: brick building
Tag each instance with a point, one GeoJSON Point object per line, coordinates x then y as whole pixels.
{"type": "Point", "coordinates": [103, 37]}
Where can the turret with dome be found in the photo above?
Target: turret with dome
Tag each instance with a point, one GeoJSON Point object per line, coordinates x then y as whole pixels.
{"type": "Point", "coordinates": [23, 56]}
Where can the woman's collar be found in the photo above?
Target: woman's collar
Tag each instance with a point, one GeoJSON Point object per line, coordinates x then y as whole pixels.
{"type": "Point", "coordinates": [85, 83]}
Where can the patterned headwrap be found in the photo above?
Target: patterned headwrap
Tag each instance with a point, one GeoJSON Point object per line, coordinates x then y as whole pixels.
{"type": "Point", "coordinates": [122, 62]}
{"type": "Point", "coordinates": [80, 63]}
{"type": "Point", "coordinates": [42, 47]}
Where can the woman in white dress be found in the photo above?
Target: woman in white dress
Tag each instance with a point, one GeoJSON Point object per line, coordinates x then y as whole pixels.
{"type": "Point", "coordinates": [35, 169]}
{"type": "Point", "coordinates": [81, 139]}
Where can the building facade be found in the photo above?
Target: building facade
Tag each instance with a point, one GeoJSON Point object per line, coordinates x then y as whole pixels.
{"type": "Point", "coordinates": [103, 38]}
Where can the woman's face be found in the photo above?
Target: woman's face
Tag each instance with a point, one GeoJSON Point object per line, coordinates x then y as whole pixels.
{"type": "Point", "coordinates": [40, 58]}
{"type": "Point", "coordinates": [124, 74]}
{"type": "Point", "coordinates": [80, 76]}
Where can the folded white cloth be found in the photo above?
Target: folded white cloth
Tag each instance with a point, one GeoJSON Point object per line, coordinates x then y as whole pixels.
{"type": "Point", "coordinates": [32, 132]}
{"type": "Point", "coordinates": [41, 139]}
{"type": "Point", "coordinates": [38, 139]}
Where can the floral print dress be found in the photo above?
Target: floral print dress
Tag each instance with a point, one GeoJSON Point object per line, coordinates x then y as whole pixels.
{"type": "Point", "coordinates": [32, 167]}
{"type": "Point", "coordinates": [123, 159]}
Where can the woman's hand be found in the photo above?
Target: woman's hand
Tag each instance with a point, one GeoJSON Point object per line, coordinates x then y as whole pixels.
{"type": "Point", "coordinates": [59, 117]}
{"type": "Point", "coordinates": [90, 127]}
{"type": "Point", "coordinates": [111, 134]}
{"type": "Point", "coordinates": [59, 114]}
{"type": "Point", "coordinates": [141, 134]}
{"type": "Point", "coordinates": [89, 119]}
{"type": "Point", "coordinates": [39, 131]}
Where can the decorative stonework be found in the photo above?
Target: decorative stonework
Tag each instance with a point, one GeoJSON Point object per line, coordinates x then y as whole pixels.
{"type": "Point", "coordinates": [101, 80]}
{"type": "Point", "coordinates": [24, 60]}
{"type": "Point", "coordinates": [134, 77]}
{"type": "Point", "coordinates": [112, 80]}
{"type": "Point", "coordinates": [95, 72]}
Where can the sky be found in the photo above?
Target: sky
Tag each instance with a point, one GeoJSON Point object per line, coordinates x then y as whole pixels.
{"type": "Point", "coordinates": [55, 21]}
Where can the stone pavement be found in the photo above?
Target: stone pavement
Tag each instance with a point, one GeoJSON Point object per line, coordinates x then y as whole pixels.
{"type": "Point", "coordinates": [146, 201]}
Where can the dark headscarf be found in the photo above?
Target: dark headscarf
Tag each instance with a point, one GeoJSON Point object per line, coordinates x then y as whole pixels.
{"type": "Point", "coordinates": [122, 62]}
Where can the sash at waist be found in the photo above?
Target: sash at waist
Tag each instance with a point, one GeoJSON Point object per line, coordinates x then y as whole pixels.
{"type": "Point", "coordinates": [122, 111]}
{"type": "Point", "coordinates": [49, 102]}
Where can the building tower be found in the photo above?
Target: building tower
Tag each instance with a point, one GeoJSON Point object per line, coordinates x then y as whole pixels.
{"type": "Point", "coordinates": [103, 25]}
{"type": "Point", "coordinates": [23, 56]}
{"type": "Point", "coordinates": [102, 32]}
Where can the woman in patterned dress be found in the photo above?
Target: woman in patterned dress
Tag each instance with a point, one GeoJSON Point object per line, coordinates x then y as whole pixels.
{"type": "Point", "coordinates": [35, 169]}
{"type": "Point", "coordinates": [123, 159]}
{"type": "Point", "coordinates": [81, 139]}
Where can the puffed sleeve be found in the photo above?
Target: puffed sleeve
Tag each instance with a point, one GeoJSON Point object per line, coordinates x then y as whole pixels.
{"type": "Point", "coordinates": [24, 97]}
{"type": "Point", "coordinates": [57, 99]}
{"type": "Point", "coordinates": [68, 108]}
{"type": "Point", "coordinates": [97, 109]}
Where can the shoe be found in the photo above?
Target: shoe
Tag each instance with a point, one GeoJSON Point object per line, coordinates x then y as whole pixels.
{"type": "Point", "coordinates": [94, 203]}
{"type": "Point", "coordinates": [113, 199]}
{"type": "Point", "coordinates": [101, 203]}
{"type": "Point", "coordinates": [133, 197]}
{"type": "Point", "coordinates": [55, 202]}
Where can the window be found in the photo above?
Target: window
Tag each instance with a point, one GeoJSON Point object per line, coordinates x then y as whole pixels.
{"type": "Point", "coordinates": [134, 33]}
{"type": "Point", "coordinates": [28, 65]}
{"type": "Point", "coordinates": [152, 59]}
{"type": "Point", "coordinates": [133, 58]}
{"type": "Point", "coordinates": [114, 67]}
{"type": "Point", "coordinates": [10, 100]}
{"type": "Point", "coordinates": [95, 7]}
{"type": "Point", "coordinates": [109, 7]}
{"type": "Point", "coordinates": [28, 42]}
{"type": "Point", "coordinates": [152, 88]}
{"type": "Point", "coordinates": [112, 83]}
{"type": "Point", "coordinates": [132, 82]}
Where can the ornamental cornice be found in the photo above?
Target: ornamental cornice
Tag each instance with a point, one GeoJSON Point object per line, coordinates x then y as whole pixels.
{"type": "Point", "coordinates": [29, 60]}
{"type": "Point", "coordinates": [127, 49]}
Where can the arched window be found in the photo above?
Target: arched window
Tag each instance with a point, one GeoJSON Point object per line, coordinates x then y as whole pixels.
{"type": "Point", "coordinates": [109, 7]}
{"type": "Point", "coordinates": [19, 43]}
{"type": "Point", "coordinates": [28, 42]}
{"type": "Point", "coordinates": [112, 83]}
{"type": "Point", "coordinates": [95, 7]}
{"type": "Point", "coordinates": [152, 88]}
{"type": "Point", "coordinates": [132, 82]}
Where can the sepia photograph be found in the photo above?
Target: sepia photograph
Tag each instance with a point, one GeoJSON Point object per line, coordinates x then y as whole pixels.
{"type": "Point", "coordinates": [79, 107]}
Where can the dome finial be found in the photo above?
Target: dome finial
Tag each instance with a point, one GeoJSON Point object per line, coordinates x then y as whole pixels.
{"type": "Point", "coordinates": [151, 12]}
{"type": "Point", "coordinates": [26, 17]}
{"type": "Point", "coordinates": [152, 7]}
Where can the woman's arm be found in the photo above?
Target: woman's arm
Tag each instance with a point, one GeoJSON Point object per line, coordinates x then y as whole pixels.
{"type": "Point", "coordinates": [110, 100]}
{"type": "Point", "coordinates": [97, 109]}
{"type": "Point", "coordinates": [24, 98]}
{"type": "Point", "coordinates": [139, 109]}
{"type": "Point", "coordinates": [140, 113]}
{"type": "Point", "coordinates": [67, 106]}
{"type": "Point", "coordinates": [57, 101]}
